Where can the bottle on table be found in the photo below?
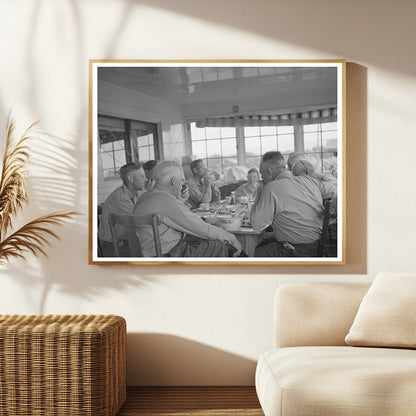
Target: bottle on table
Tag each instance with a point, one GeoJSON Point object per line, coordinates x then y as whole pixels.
{"type": "Point", "coordinates": [233, 199]}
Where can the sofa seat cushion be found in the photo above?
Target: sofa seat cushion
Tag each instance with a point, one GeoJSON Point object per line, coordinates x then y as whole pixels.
{"type": "Point", "coordinates": [342, 380]}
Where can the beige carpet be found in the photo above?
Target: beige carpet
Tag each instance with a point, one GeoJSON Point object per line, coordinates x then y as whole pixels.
{"type": "Point", "coordinates": [187, 401]}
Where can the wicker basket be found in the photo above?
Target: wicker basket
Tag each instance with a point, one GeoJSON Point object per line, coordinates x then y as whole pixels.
{"type": "Point", "coordinates": [71, 365]}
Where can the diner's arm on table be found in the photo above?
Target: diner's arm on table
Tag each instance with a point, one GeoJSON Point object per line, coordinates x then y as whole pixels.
{"type": "Point", "coordinates": [184, 220]}
{"type": "Point", "coordinates": [262, 211]}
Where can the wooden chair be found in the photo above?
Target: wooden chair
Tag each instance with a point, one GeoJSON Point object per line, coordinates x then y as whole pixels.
{"type": "Point", "coordinates": [99, 212]}
{"type": "Point", "coordinates": [132, 223]}
{"type": "Point", "coordinates": [325, 229]}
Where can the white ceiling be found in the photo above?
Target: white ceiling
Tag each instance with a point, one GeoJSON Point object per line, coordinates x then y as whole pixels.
{"type": "Point", "coordinates": [190, 86]}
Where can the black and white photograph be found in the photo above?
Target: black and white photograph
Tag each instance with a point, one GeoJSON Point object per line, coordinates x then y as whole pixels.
{"type": "Point", "coordinates": [217, 162]}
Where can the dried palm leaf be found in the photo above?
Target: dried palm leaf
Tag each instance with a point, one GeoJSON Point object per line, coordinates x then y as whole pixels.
{"type": "Point", "coordinates": [32, 237]}
{"type": "Point", "coordinates": [12, 183]}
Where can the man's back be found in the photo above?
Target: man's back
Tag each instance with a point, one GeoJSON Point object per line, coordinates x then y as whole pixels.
{"type": "Point", "coordinates": [294, 208]}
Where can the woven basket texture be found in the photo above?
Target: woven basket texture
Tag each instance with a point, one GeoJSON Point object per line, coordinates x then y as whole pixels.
{"type": "Point", "coordinates": [54, 365]}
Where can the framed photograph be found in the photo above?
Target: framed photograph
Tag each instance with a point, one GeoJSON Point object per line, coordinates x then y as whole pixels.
{"type": "Point", "coordinates": [217, 162]}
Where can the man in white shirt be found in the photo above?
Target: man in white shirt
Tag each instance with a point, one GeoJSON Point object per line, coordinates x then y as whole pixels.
{"type": "Point", "coordinates": [293, 206]}
{"type": "Point", "coordinates": [201, 187]}
{"type": "Point", "coordinates": [121, 201]}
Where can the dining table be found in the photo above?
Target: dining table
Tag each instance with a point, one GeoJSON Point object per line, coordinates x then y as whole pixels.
{"type": "Point", "coordinates": [245, 233]}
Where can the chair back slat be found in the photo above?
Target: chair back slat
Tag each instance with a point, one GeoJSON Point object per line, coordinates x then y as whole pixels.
{"type": "Point", "coordinates": [325, 228]}
{"type": "Point", "coordinates": [132, 223]}
{"type": "Point", "coordinates": [156, 221]}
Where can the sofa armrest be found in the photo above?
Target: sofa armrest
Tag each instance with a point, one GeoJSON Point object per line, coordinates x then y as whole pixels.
{"type": "Point", "coordinates": [308, 314]}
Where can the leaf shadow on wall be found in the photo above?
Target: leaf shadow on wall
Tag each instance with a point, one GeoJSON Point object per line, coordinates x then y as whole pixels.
{"type": "Point", "coordinates": [54, 185]}
{"type": "Point", "coordinates": [163, 359]}
{"type": "Point", "coordinates": [337, 28]}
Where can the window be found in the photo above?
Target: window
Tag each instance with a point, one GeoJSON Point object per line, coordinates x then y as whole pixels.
{"type": "Point", "coordinates": [259, 140]}
{"type": "Point", "coordinates": [224, 147]}
{"type": "Point", "coordinates": [143, 136]}
{"type": "Point", "coordinates": [309, 133]}
{"type": "Point", "coordinates": [123, 141]}
{"type": "Point", "coordinates": [320, 145]}
{"type": "Point", "coordinates": [112, 145]}
{"type": "Point", "coordinates": [216, 145]}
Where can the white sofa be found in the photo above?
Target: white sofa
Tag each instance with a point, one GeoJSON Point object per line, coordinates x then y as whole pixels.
{"type": "Point", "coordinates": [311, 370]}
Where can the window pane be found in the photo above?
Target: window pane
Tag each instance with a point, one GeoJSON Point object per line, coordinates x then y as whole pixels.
{"type": "Point", "coordinates": [228, 132]}
{"type": "Point", "coordinates": [249, 72]}
{"type": "Point", "coordinates": [251, 131]}
{"type": "Point", "coordinates": [285, 129]}
{"type": "Point", "coordinates": [310, 127]}
{"type": "Point", "coordinates": [109, 173]}
{"type": "Point", "coordinates": [268, 130]}
{"type": "Point", "coordinates": [197, 133]}
{"type": "Point", "coordinates": [213, 132]}
{"type": "Point", "coordinates": [214, 148]}
{"type": "Point", "coordinates": [194, 75]}
{"type": "Point", "coordinates": [253, 146]}
{"type": "Point", "coordinates": [119, 145]}
{"type": "Point", "coordinates": [266, 70]}
{"type": "Point", "coordinates": [107, 147]}
{"type": "Point", "coordinates": [268, 143]}
{"type": "Point", "coordinates": [107, 159]}
{"type": "Point", "coordinates": [311, 142]}
{"type": "Point", "coordinates": [199, 149]}
{"type": "Point", "coordinates": [229, 147]}
{"type": "Point", "coordinates": [329, 139]}
{"type": "Point", "coordinates": [225, 73]}
{"type": "Point", "coordinates": [144, 153]}
{"type": "Point", "coordinates": [214, 165]}
{"type": "Point", "coordinates": [286, 143]}
{"type": "Point", "coordinates": [120, 158]}
{"type": "Point", "coordinates": [144, 139]}
{"type": "Point", "coordinates": [229, 161]}
{"type": "Point", "coordinates": [253, 161]}
{"type": "Point", "coordinates": [329, 126]}
{"type": "Point", "coordinates": [210, 74]}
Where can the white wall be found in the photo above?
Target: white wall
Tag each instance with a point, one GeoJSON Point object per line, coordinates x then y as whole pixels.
{"type": "Point", "coordinates": [200, 324]}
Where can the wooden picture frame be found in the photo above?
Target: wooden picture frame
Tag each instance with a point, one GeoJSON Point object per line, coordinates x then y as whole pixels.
{"type": "Point", "coordinates": [180, 110]}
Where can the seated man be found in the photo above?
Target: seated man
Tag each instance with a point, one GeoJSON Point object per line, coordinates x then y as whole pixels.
{"type": "Point", "coordinates": [293, 206]}
{"type": "Point", "coordinates": [201, 187]}
{"type": "Point", "coordinates": [299, 165]}
{"type": "Point", "coordinates": [120, 201]}
{"type": "Point", "coordinates": [250, 188]}
{"type": "Point", "coordinates": [149, 167]}
{"type": "Point", "coordinates": [304, 167]}
{"type": "Point", "coordinates": [182, 232]}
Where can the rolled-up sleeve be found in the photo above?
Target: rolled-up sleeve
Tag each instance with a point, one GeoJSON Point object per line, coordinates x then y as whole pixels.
{"type": "Point", "coordinates": [263, 209]}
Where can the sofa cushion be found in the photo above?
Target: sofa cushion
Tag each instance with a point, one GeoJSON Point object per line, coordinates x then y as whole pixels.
{"type": "Point", "coordinates": [304, 381]}
{"type": "Point", "coordinates": [387, 314]}
{"type": "Point", "coordinates": [315, 313]}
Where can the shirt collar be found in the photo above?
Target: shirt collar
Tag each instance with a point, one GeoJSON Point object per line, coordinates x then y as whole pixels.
{"type": "Point", "coordinates": [284, 174]}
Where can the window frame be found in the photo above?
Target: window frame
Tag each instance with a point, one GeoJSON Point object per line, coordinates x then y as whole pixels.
{"type": "Point", "coordinates": [241, 155]}
{"type": "Point", "coordinates": [131, 149]}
